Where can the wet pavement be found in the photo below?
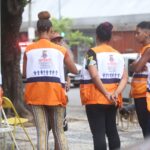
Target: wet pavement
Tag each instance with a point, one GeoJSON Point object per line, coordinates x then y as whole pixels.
{"type": "Point", "coordinates": [79, 135]}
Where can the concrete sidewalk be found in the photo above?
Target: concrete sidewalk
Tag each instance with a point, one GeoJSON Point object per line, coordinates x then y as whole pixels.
{"type": "Point", "coordinates": [79, 135]}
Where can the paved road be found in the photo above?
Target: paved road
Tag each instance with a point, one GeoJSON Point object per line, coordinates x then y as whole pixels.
{"type": "Point", "coordinates": [74, 97]}
{"type": "Point", "coordinates": [77, 112]}
{"type": "Point", "coordinates": [79, 135]}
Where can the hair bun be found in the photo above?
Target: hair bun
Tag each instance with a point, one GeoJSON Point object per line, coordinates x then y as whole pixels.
{"type": "Point", "coordinates": [44, 15]}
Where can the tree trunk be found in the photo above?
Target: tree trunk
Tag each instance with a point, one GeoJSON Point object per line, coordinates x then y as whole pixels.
{"type": "Point", "coordinates": [12, 80]}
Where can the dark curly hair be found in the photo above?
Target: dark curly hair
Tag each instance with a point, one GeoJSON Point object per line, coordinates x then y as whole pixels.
{"type": "Point", "coordinates": [104, 31]}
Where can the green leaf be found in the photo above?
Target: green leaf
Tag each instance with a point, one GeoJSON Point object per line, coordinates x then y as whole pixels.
{"type": "Point", "coordinates": [74, 38]}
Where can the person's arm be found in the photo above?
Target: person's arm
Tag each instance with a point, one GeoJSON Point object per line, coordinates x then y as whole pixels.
{"type": "Point", "coordinates": [70, 64]}
{"type": "Point", "coordinates": [92, 68]}
{"type": "Point", "coordinates": [96, 80]}
{"type": "Point", "coordinates": [140, 65]}
{"type": "Point", "coordinates": [121, 85]}
{"type": "Point", "coordinates": [68, 82]}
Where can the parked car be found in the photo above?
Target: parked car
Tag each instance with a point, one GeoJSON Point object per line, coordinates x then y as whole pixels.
{"type": "Point", "coordinates": [75, 79]}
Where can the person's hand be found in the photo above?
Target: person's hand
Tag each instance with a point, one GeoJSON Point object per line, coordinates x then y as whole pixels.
{"type": "Point", "coordinates": [108, 96]}
{"type": "Point", "coordinates": [133, 63]}
{"type": "Point", "coordinates": [67, 86]}
{"type": "Point", "coordinates": [144, 68]}
{"type": "Point", "coordinates": [114, 98]}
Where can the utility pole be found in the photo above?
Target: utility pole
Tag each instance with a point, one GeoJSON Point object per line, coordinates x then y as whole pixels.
{"type": "Point", "coordinates": [31, 30]}
{"type": "Point", "coordinates": [29, 15]}
{"type": "Point", "coordinates": [59, 9]}
{"type": "Point", "coordinates": [0, 42]}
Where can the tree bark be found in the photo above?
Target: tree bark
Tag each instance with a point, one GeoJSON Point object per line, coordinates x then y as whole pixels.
{"type": "Point", "coordinates": [12, 79]}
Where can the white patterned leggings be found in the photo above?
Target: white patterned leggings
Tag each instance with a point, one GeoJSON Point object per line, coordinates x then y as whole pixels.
{"type": "Point", "coordinates": [47, 118]}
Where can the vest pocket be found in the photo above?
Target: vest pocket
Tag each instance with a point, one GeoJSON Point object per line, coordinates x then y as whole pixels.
{"type": "Point", "coordinates": [138, 89]}
{"type": "Point", "coordinates": [148, 101]}
{"type": "Point", "coordinates": [87, 93]}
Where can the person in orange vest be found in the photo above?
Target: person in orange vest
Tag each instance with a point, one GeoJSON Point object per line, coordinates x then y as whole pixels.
{"type": "Point", "coordinates": [58, 39]}
{"type": "Point", "coordinates": [103, 78]}
{"type": "Point", "coordinates": [43, 68]}
{"type": "Point", "coordinates": [139, 83]}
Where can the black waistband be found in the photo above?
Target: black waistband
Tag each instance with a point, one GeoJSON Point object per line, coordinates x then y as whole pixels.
{"type": "Point", "coordinates": [44, 79]}
{"type": "Point", "coordinates": [140, 76]}
{"type": "Point", "coordinates": [105, 81]}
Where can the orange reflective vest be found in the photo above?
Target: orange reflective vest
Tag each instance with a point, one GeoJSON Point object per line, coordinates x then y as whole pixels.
{"type": "Point", "coordinates": [110, 64]}
{"type": "Point", "coordinates": [139, 80]}
{"type": "Point", "coordinates": [148, 88]}
{"type": "Point", "coordinates": [148, 100]}
{"type": "Point", "coordinates": [45, 74]}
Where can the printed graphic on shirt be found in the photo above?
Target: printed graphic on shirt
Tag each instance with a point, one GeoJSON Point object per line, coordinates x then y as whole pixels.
{"type": "Point", "coordinates": [91, 58]}
{"type": "Point", "coordinates": [45, 63]}
{"type": "Point", "coordinates": [111, 65]}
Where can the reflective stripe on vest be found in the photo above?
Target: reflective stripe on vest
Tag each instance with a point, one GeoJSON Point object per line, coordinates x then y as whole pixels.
{"type": "Point", "coordinates": [139, 80]}
{"type": "Point", "coordinates": [45, 75]}
{"type": "Point", "coordinates": [45, 65]}
{"type": "Point", "coordinates": [110, 65]}
{"type": "Point", "coordinates": [148, 88]}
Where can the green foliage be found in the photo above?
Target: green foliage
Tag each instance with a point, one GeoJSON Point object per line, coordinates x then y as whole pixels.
{"type": "Point", "coordinates": [77, 38]}
{"type": "Point", "coordinates": [74, 38]}
{"type": "Point", "coordinates": [25, 2]}
{"type": "Point", "coordinates": [63, 25]}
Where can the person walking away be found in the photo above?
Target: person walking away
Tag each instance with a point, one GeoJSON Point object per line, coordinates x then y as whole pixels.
{"type": "Point", "coordinates": [103, 78]}
{"type": "Point", "coordinates": [58, 39]}
{"type": "Point", "coordinates": [43, 68]}
{"type": "Point", "coordinates": [139, 83]}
